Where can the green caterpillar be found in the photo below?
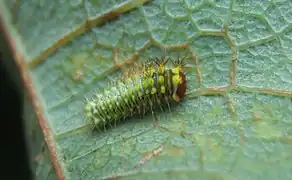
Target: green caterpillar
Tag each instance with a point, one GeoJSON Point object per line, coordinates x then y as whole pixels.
{"type": "Point", "coordinates": [155, 86]}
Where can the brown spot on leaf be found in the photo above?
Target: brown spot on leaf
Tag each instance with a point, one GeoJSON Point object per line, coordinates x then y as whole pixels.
{"type": "Point", "coordinates": [185, 46]}
{"type": "Point", "coordinates": [256, 117]}
{"type": "Point", "coordinates": [78, 75]}
{"type": "Point", "coordinates": [149, 156]}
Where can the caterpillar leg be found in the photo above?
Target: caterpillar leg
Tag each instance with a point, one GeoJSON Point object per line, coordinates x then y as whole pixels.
{"type": "Point", "coordinates": [167, 102]}
{"type": "Point", "coordinates": [115, 123]}
{"type": "Point", "coordinates": [153, 113]}
{"type": "Point", "coordinates": [157, 99]}
{"type": "Point", "coordinates": [168, 105]}
{"type": "Point", "coordinates": [104, 128]}
{"type": "Point", "coordinates": [93, 127]}
{"type": "Point", "coordinates": [155, 120]}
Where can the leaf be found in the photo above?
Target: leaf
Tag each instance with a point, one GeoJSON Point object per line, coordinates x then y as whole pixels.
{"type": "Point", "coordinates": [236, 120]}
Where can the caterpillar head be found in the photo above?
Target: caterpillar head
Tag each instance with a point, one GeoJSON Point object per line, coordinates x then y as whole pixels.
{"type": "Point", "coordinates": [182, 86]}
{"type": "Point", "coordinates": [179, 79]}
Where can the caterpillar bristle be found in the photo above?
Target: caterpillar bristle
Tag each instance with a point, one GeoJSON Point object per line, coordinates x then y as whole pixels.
{"type": "Point", "coordinates": [161, 61]}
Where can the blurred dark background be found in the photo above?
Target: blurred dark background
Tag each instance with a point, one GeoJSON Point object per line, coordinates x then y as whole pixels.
{"type": "Point", "coordinates": [15, 160]}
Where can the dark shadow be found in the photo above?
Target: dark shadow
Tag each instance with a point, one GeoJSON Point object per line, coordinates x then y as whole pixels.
{"type": "Point", "coordinates": [15, 160]}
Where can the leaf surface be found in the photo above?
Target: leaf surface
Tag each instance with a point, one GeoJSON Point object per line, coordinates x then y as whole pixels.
{"type": "Point", "coordinates": [236, 120]}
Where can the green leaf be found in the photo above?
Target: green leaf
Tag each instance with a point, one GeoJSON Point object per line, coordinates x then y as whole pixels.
{"type": "Point", "coordinates": [236, 120]}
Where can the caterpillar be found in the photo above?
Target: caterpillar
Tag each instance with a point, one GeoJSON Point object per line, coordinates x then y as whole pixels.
{"type": "Point", "coordinates": [156, 85]}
